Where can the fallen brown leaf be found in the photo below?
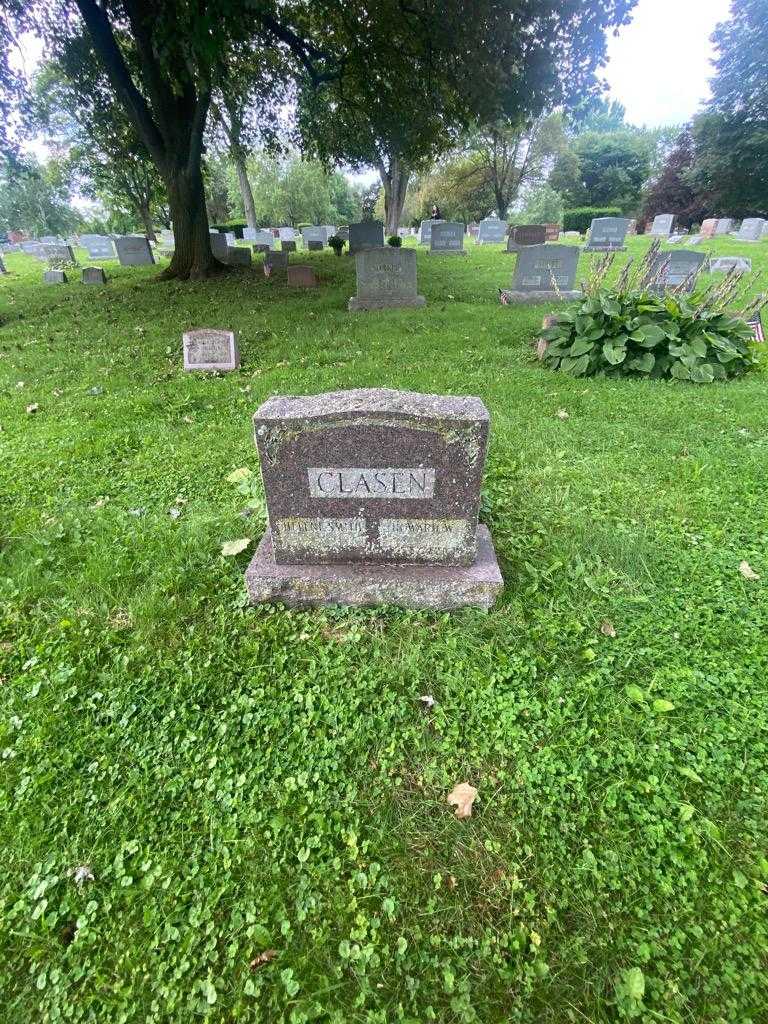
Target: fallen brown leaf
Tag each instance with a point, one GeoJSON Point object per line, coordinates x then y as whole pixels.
{"type": "Point", "coordinates": [563, 415]}
{"type": "Point", "coordinates": [32, 407]}
{"type": "Point", "coordinates": [462, 796]}
{"type": "Point", "coordinates": [607, 628]}
{"type": "Point", "coordinates": [748, 572]}
{"type": "Point", "coordinates": [263, 958]}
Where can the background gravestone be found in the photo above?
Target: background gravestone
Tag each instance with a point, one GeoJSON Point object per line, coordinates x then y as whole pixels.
{"type": "Point", "coordinates": [676, 268]}
{"type": "Point", "coordinates": [54, 277]}
{"type": "Point", "coordinates": [209, 350]}
{"type": "Point", "coordinates": [93, 275]}
{"type": "Point", "coordinates": [275, 263]}
{"type": "Point", "coordinates": [662, 224]}
{"type": "Point", "coordinates": [2, 266]}
{"type": "Point", "coordinates": [724, 226]}
{"type": "Point", "coordinates": [219, 246]}
{"type": "Point", "coordinates": [722, 264]}
{"type": "Point", "coordinates": [288, 245]}
{"type": "Point", "coordinates": [58, 251]}
{"type": "Point", "coordinates": [536, 269]}
{"type": "Point", "coordinates": [329, 230]}
{"type": "Point", "coordinates": [526, 234]}
{"type": "Point", "coordinates": [373, 497]}
{"type": "Point", "coordinates": [765, 230]}
{"type": "Point", "coordinates": [286, 234]}
{"type": "Point", "coordinates": [238, 256]}
{"type": "Point", "coordinates": [492, 231]}
{"type": "Point", "coordinates": [104, 248]}
{"type": "Point", "coordinates": [425, 230]}
{"type": "Point", "coordinates": [134, 251]}
{"type": "Point", "coordinates": [300, 276]}
{"type": "Point", "coordinates": [36, 249]}
{"type": "Point", "coordinates": [368, 234]}
{"type": "Point", "coordinates": [313, 233]}
{"type": "Point", "coordinates": [314, 245]}
{"type": "Point", "coordinates": [708, 227]}
{"type": "Point", "coordinates": [607, 234]}
{"type": "Point", "coordinates": [447, 239]}
{"type": "Point", "coordinates": [386, 278]}
{"type": "Point", "coordinates": [751, 229]}
{"type": "Point", "coordinates": [261, 247]}
{"type": "Point", "coordinates": [260, 237]}
{"type": "Point", "coordinates": [249, 235]}
{"type": "Point", "coordinates": [553, 232]}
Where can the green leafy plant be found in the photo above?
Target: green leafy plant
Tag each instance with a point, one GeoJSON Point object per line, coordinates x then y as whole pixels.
{"type": "Point", "coordinates": [337, 244]}
{"type": "Point", "coordinates": [639, 328]}
{"type": "Point", "coordinates": [395, 241]}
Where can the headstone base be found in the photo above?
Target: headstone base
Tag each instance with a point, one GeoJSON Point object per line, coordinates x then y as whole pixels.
{"type": "Point", "coordinates": [605, 248]}
{"type": "Point", "coordinates": [531, 297]}
{"type": "Point", "coordinates": [448, 252]}
{"type": "Point", "coordinates": [356, 305]}
{"type": "Point", "coordinates": [407, 586]}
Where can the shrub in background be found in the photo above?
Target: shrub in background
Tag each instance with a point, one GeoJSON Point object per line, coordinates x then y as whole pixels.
{"type": "Point", "coordinates": [581, 217]}
{"type": "Point", "coordinates": [637, 329]}
{"type": "Point", "coordinates": [337, 244]}
{"type": "Point", "coordinates": [395, 241]}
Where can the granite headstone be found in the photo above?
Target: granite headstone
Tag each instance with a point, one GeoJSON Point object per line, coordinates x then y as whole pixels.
{"type": "Point", "coordinates": [93, 275]}
{"type": "Point", "coordinates": [663, 223]}
{"type": "Point", "coordinates": [54, 277]}
{"type": "Point", "coordinates": [677, 268]}
{"type": "Point", "coordinates": [447, 239]}
{"type": "Point", "coordinates": [208, 349]}
{"type": "Point", "coordinates": [368, 234]}
{"type": "Point", "coordinates": [523, 235]}
{"type": "Point", "coordinates": [386, 278]}
{"type": "Point", "coordinates": [134, 251]}
{"type": "Point", "coordinates": [723, 264]}
{"type": "Point", "coordinates": [724, 226]}
{"type": "Point", "coordinates": [492, 231]}
{"type": "Point", "coordinates": [300, 276]}
{"type": "Point", "coordinates": [545, 273]}
{"type": "Point", "coordinates": [607, 234]}
{"type": "Point", "coordinates": [373, 498]}
{"type": "Point", "coordinates": [425, 230]}
{"type": "Point", "coordinates": [751, 229]}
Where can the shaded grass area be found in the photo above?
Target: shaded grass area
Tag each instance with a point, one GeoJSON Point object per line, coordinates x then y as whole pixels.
{"type": "Point", "coordinates": [242, 780]}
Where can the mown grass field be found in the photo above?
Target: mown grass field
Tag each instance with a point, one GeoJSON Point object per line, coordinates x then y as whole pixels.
{"type": "Point", "coordinates": [259, 794]}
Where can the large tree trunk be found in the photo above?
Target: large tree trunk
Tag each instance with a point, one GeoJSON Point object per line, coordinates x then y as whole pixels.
{"type": "Point", "coordinates": [192, 257]}
{"type": "Point", "coordinates": [146, 220]}
{"type": "Point", "coordinates": [394, 178]}
{"type": "Point", "coordinates": [245, 190]}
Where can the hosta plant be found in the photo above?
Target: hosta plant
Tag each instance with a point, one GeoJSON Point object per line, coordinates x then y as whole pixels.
{"type": "Point", "coordinates": [638, 328]}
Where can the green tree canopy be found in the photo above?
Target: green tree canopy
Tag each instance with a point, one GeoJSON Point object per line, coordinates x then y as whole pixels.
{"type": "Point", "coordinates": [604, 169]}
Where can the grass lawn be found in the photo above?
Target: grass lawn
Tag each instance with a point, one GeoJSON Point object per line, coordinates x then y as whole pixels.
{"type": "Point", "coordinates": [259, 794]}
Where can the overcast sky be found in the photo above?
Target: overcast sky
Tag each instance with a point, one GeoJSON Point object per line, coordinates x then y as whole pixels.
{"type": "Point", "coordinates": [660, 63]}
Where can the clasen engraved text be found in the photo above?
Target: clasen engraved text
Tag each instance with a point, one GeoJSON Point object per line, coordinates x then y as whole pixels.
{"type": "Point", "coordinates": [371, 483]}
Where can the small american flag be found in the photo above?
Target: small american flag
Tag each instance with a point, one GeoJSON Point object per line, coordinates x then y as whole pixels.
{"type": "Point", "coordinates": [756, 324]}
{"type": "Point", "coordinates": [503, 297]}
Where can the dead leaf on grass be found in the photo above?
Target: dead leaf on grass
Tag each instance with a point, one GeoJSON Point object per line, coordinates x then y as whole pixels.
{"type": "Point", "coordinates": [263, 958]}
{"type": "Point", "coordinates": [748, 572]}
{"type": "Point", "coordinates": [32, 408]}
{"type": "Point", "coordinates": [427, 700]}
{"type": "Point", "coordinates": [607, 628]}
{"type": "Point", "coordinates": [462, 796]}
{"type": "Point", "coordinates": [234, 547]}
{"type": "Point", "coordinates": [563, 415]}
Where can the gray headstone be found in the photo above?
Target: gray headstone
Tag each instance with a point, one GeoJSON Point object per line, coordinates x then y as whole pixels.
{"type": "Point", "coordinates": [238, 256]}
{"type": "Point", "coordinates": [262, 247]}
{"type": "Point", "coordinates": [523, 235]}
{"type": "Point", "coordinates": [607, 234]}
{"type": "Point", "coordinates": [286, 234]}
{"type": "Point", "coordinates": [545, 272]}
{"type": "Point", "coordinates": [368, 234]}
{"type": "Point", "coordinates": [448, 238]}
{"type": "Point", "coordinates": [386, 278]}
{"type": "Point", "coordinates": [275, 262]}
{"type": "Point", "coordinates": [313, 233]}
{"type": "Point", "coordinates": [51, 240]}
{"type": "Point", "coordinates": [425, 231]}
{"type": "Point", "coordinates": [208, 349]}
{"type": "Point", "coordinates": [288, 245]}
{"type": "Point", "coordinates": [36, 249]}
{"type": "Point", "coordinates": [765, 230]}
{"type": "Point", "coordinates": [372, 476]}
{"type": "Point", "coordinates": [219, 246]}
{"type": "Point", "coordinates": [314, 246]}
{"type": "Point", "coordinates": [722, 264]}
{"type": "Point", "coordinates": [101, 248]}
{"type": "Point", "coordinates": [134, 251]}
{"type": "Point", "coordinates": [680, 265]}
{"type": "Point", "coordinates": [663, 224]}
{"type": "Point", "coordinates": [54, 277]}
{"type": "Point", "coordinates": [58, 251]}
{"type": "Point", "coordinates": [2, 266]}
{"type": "Point", "coordinates": [167, 239]}
{"type": "Point", "coordinates": [230, 237]}
{"type": "Point", "coordinates": [343, 232]}
{"type": "Point", "coordinates": [94, 275]}
{"type": "Point", "coordinates": [260, 237]}
{"type": "Point", "coordinates": [492, 231]}
{"type": "Point", "coordinates": [751, 229]}
{"type": "Point", "coordinates": [249, 234]}
{"type": "Point", "coordinates": [724, 226]}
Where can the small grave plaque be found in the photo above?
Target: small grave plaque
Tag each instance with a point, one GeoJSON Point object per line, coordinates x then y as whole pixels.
{"type": "Point", "coordinates": [663, 223]}
{"type": "Point", "coordinates": [368, 234]}
{"type": "Point", "coordinates": [54, 277]}
{"type": "Point", "coordinates": [724, 226]}
{"type": "Point", "coordinates": [134, 251]}
{"type": "Point", "coordinates": [314, 246]}
{"type": "Point", "coordinates": [722, 264]}
{"type": "Point", "coordinates": [751, 229]}
{"type": "Point", "coordinates": [301, 277]}
{"type": "Point", "coordinates": [607, 234]}
{"type": "Point", "coordinates": [208, 349]}
{"type": "Point", "coordinates": [288, 245]}
{"type": "Point", "coordinates": [526, 234]}
{"type": "Point", "coordinates": [491, 231]}
{"type": "Point", "coordinates": [373, 498]}
{"type": "Point", "coordinates": [447, 239]}
{"type": "Point", "coordinates": [709, 227]}
{"type": "Point", "coordinates": [386, 278]}
{"type": "Point", "coordinates": [545, 273]}
{"type": "Point", "coordinates": [680, 266]}
{"type": "Point", "coordinates": [94, 275]}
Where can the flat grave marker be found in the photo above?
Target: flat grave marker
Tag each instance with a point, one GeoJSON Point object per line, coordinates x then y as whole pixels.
{"type": "Point", "coordinates": [300, 276]}
{"type": "Point", "coordinates": [722, 264]}
{"type": "Point", "coordinates": [93, 275]}
{"type": "Point", "coordinates": [373, 498]}
{"type": "Point", "coordinates": [210, 350]}
{"type": "Point", "coordinates": [54, 277]}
